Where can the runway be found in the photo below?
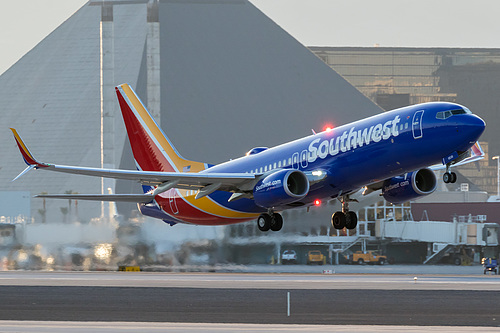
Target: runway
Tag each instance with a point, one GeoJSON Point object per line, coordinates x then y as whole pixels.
{"type": "Point", "coordinates": [249, 299]}
{"type": "Point", "coordinates": [252, 280]}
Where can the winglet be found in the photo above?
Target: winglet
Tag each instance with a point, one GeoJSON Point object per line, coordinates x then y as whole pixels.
{"type": "Point", "coordinates": [27, 156]}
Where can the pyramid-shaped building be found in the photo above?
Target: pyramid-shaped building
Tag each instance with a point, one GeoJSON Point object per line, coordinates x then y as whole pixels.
{"type": "Point", "coordinates": [227, 77]}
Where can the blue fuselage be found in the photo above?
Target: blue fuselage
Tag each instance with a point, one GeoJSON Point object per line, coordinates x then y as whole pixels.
{"type": "Point", "coordinates": [365, 151]}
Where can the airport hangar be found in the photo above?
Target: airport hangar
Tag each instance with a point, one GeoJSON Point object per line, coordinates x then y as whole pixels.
{"type": "Point", "coordinates": [211, 67]}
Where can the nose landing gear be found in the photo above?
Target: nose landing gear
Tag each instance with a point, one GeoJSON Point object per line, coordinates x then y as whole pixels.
{"type": "Point", "coordinates": [449, 177]}
{"type": "Point", "coordinates": [345, 218]}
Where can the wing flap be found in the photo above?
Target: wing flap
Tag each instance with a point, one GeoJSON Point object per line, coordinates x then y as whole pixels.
{"type": "Point", "coordinates": [184, 180]}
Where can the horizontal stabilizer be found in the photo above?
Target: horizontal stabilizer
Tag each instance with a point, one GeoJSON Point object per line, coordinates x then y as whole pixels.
{"type": "Point", "coordinates": [138, 198]}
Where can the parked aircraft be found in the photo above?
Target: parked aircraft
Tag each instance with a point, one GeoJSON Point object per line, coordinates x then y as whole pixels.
{"type": "Point", "coordinates": [391, 152]}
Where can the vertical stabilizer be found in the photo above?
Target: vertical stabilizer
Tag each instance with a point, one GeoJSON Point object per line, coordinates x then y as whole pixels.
{"type": "Point", "coordinates": [152, 150]}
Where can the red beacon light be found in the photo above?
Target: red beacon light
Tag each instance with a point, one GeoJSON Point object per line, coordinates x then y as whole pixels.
{"type": "Point", "coordinates": [328, 128]}
{"type": "Point", "coordinates": [317, 202]}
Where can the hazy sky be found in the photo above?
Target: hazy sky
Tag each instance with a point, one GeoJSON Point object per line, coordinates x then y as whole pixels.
{"type": "Point", "coordinates": [415, 23]}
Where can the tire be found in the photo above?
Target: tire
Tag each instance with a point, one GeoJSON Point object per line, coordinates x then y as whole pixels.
{"type": "Point", "coordinates": [447, 177]}
{"type": "Point", "coordinates": [338, 220]}
{"type": "Point", "coordinates": [381, 262]}
{"type": "Point", "coordinates": [457, 261]}
{"type": "Point", "coordinates": [453, 177]}
{"type": "Point", "coordinates": [276, 222]}
{"type": "Point", "coordinates": [351, 220]}
{"type": "Point", "coordinates": [361, 261]}
{"type": "Point", "coordinates": [264, 222]}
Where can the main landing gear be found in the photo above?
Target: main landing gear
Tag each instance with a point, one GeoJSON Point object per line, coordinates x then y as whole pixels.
{"type": "Point", "coordinates": [449, 177]}
{"type": "Point", "coordinates": [270, 221]}
{"type": "Point", "coordinates": [345, 218]}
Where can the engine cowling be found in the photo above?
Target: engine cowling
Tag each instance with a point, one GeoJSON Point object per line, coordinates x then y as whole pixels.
{"type": "Point", "coordinates": [280, 188]}
{"type": "Point", "coordinates": [409, 186]}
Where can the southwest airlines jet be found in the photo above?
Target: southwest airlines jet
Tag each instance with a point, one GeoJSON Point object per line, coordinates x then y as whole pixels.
{"type": "Point", "coordinates": [393, 152]}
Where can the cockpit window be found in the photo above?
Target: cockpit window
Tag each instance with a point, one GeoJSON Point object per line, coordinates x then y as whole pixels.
{"type": "Point", "coordinates": [449, 113]}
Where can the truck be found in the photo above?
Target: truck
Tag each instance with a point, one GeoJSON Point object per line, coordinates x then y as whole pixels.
{"type": "Point", "coordinates": [315, 257]}
{"type": "Point", "coordinates": [372, 257]}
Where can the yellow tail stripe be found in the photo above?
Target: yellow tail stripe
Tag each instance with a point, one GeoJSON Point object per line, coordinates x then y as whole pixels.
{"type": "Point", "coordinates": [157, 133]}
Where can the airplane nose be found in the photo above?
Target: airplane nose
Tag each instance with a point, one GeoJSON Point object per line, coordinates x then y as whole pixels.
{"type": "Point", "coordinates": [474, 127]}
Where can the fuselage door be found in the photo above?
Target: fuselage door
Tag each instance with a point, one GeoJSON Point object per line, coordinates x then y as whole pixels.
{"type": "Point", "coordinates": [417, 124]}
{"type": "Point", "coordinates": [295, 161]}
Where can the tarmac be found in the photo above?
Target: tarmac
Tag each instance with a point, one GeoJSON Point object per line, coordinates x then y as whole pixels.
{"type": "Point", "coordinates": [255, 299]}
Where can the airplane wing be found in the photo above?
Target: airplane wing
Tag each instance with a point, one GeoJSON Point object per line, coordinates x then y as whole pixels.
{"type": "Point", "coordinates": [206, 183]}
{"type": "Point", "coordinates": [134, 198]}
{"type": "Point", "coordinates": [241, 184]}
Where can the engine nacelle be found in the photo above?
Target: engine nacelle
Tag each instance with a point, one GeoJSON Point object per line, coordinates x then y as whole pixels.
{"type": "Point", "coordinates": [410, 186]}
{"type": "Point", "coordinates": [280, 188]}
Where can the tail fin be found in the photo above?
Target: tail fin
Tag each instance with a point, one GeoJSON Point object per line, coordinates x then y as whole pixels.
{"type": "Point", "coordinates": [152, 150]}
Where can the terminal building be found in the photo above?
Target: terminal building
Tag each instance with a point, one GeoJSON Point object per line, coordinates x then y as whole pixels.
{"type": "Point", "coordinates": [221, 77]}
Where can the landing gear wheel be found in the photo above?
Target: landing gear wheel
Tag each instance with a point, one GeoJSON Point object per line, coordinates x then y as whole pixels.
{"type": "Point", "coordinates": [264, 222]}
{"type": "Point", "coordinates": [453, 177]}
{"type": "Point", "coordinates": [449, 177]}
{"type": "Point", "coordinates": [338, 220]}
{"type": "Point", "coordinates": [276, 222]}
{"type": "Point", "coordinates": [351, 220]}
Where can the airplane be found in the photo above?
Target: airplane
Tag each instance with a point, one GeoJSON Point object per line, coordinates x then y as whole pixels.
{"type": "Point", "coordinates": [394, 152]}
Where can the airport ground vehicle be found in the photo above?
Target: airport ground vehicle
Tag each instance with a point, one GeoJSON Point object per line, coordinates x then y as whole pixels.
{"type": "Point", "coordinates": [490, 265]}
{"type": "Point", "coordinates": [289, 257]}
{"type": "Point", "coordinates": [315, 257]}
{"type": "Point", "coordinates": [372, 257]}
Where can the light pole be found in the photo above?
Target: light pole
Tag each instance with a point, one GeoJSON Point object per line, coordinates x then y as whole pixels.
{"type": "Point", "coordinates": [498, 175]}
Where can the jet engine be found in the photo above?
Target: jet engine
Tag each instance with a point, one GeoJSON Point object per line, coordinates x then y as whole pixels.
{"type": "Point", "coordinates": [409, 186]}
{"type": "Point", "coordinates": [280, 188]}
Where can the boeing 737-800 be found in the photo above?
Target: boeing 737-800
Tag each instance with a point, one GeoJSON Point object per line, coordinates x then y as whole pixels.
{"type": "Point", "coordinates": [392, 152]}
